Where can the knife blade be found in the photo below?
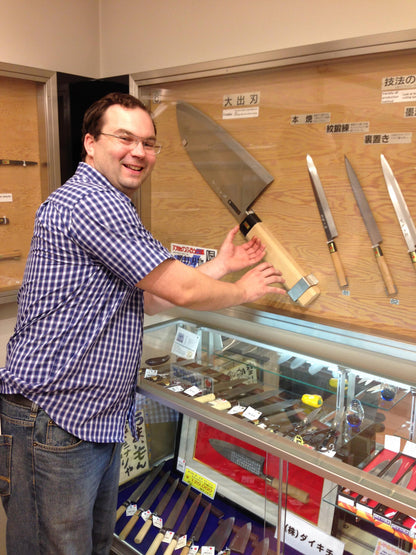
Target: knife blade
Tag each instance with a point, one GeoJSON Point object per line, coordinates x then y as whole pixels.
{"type": "Point", "coordinates": [145, 506]}
{"type": "Point", "coordinates": [327, 221]}
{"type": "Point", "coordinates": [220, 536]}
{"type": "Point", "coordinates": [240, 540]}
{"type": "Point", "coordinates": [157, 512]}
{"type": "Point", "coordinates": [137, 493]}
{"type": "Point", "coordinates": [170, 522]}
{"type": "Point", "coordinates": [262, 548]}
{"type": "Point", "coordinates": [402, 211]}
{"type": "Point", "coordinates": [392, 471]}
{"type": "Point", "coordinates": [372, 228]}
{"type": "Point", "coordinates": [238, 179]}
{"type": "Point", "coordinates": [197, 531]}
{"type": "Point", "coordinates": [254, 463]}
{"type": "Point", "coordinates": [183, 528]}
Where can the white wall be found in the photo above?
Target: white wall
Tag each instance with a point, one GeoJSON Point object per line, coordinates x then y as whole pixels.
{"type": "Point", "coordinates": [140, 36]}
{"type": "Point", "coordinates": [57, 35]}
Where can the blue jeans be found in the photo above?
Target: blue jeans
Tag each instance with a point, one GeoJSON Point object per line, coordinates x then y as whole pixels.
{"type": "Point", "coordinates": [59, 492]}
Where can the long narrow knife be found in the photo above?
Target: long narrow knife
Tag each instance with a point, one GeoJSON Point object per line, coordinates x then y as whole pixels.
{"type": "Point", "coordinates": [137, 493]}
{"type": "Point", "coordinates": [184, 527]}
{"type": "Point", "coordinates": [197, 531]}
{"type": "Point", "coordinates": [158, 511]}
{"type": "Point", "coordinates": [170, 522]}
{"type": "Point", "coordinates": [145, 506]}
{"type": "Point", "coordinates": [238, 179]}
{"type": "Point", "coordinates": [254, 463]}
{"type": "Point", "coordinates": [372, 229]}
{"type": "Point", "coordinates": [327, 221]}
{"type": "Point", "coordinates": [402, 211]}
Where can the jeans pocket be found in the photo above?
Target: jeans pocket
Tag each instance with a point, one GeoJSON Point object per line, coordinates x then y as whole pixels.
{"type": "Point", "coordinates": [5, 463]}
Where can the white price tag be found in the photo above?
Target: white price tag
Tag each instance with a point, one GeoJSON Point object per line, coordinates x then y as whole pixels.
{"type": "Point", "coordinates": [192, 391]}
{"type": "Point", "coordinates": [207, 550]}
{"type": "Point", "coordinates": [145, 515]}
{"type": "Point", "coordinates": [251, 414]}
{"type": "Point", "coordinates": [176, 388]}
{"type": "Point", "coordinates": [131, 509]}
{"type": "Point", "coordinates": [150, 372]}
{"type": "Point", "coordinates": [237, 409]}
{"type": "Point", "coordinates": [157, 521]}
{"type": "Point", "coordinates": [185, 344]}
{"type": "Point", "coordinates": [168, 536]}
{"type": "Point", "coordinates": [193, 550]}
{"type": "Point", "coordinates": [181, 542]}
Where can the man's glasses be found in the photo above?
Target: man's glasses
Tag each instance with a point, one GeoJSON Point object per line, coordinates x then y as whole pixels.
{"type": "Point", "coordinates": [131, 141]}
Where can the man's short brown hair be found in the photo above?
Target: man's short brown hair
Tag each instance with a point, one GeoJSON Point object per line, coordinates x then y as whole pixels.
{"type": "Point", "coordinates": [92, 122]}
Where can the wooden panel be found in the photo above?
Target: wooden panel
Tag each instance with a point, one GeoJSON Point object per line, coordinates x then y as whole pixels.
{"type": "Point", "coordinates": [19, 140]}
{"type": "Point", "coordinates": [185, 210]}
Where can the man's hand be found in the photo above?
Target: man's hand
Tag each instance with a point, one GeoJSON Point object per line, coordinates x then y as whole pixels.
{"type": "Point", "coordinates": [232, 258]}
{"type": "Point", "coordinates": [260, 281]}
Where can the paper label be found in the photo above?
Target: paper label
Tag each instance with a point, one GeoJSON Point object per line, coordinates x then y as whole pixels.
{"type": "Point", "coordinates": [192, 391]}
{"type": "Point", "coordinates": [131, 509]}
{"type": "Point", "coordinates": [199, 482]}
{"type": "Point", "coordinates": [410, 449]}
{"type": "Point", "coordinates": [157, 521]}
{"type": "Point", "coordinates": [185, 344]}
{"type": "Point", "coordinates": [146, 515]}
{"type": "Point", "coordinates": [167, 538]}
{"type": "Point", "coordinates": [181, 542]}
{"type": "Point", "coordinates": [150, 372]}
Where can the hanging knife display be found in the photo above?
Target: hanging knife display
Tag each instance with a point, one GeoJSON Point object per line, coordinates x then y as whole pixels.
{"type": "Point", "coordinates": [238, 179]}
{"type": "Point", "coordinates": [327, 221]}
{"type": "Point", "coordinates": [402, 211]}
{"type": "Point", "coordinates": [254, 463]}
{"type": "Point", "coordinates": [372, 228]}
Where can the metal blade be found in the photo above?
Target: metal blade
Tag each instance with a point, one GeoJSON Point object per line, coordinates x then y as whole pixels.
{"type": "Point", "coordinates": [321, 201]}
{"type": "Point", "coordinates": [183, 528]}
{"type": "Point", "coordinates": [166, 498]}
{"type": "Point", "coordinates": [199, 526]}
{"type": "Point", "coordinates": [138, 492]}
{"type": "Point", "coordinates": [252, 462]}
{"type": "Point", "coordinates": [232, 173]}
{"type": "Point", "coordinates": [220, 536]}
{"type": "Point", "coordinates": [262, 548]}
{"type": "Point", "coordinates": [148, 502]}
{"type": "Point", "coordinates": [402, 212]}
{"type": "Point", "coordinates": [405, 479]}
{"type": "Point", "coordinates": [367, 215]}
{"type": "Point", "coordinates": [240, 540]}
{"type": "Point", "coordinates": [379, 468]}
{"type": "Point", "coordinates": [176, 511]}
{"type": "Point", "coordinates": [393, 470]}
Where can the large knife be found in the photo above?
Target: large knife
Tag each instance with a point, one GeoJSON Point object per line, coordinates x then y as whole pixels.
{"type": "Point", "coordinates": [144, 506]}
{"type": "Point", "coordinates": [238, 179]}
{"type": "Point", "coordinates": [185, 524]}
{"type": "Point", "coordinates": [158, 511]}
{"type": "Point", "coordinates": [372, 228]}
{"type": "Point", "coordinates": [254, 463]}
{"type": "Point", "coordinates": [327, 221]}
{"type": "Point", "coordinates": [197, 531]}
{"type": "Point", "coordinates": [137, 493]}
{"type": "Point", "coordinates": [220, 535]}
{"type": "Point", "coordinates": [170, 522]}
{"type": "Point", "coordinates": [402, 211]}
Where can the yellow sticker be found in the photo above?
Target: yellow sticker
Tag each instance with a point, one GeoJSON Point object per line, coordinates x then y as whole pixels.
{"type": "Point", "coordinates": [200, 483]}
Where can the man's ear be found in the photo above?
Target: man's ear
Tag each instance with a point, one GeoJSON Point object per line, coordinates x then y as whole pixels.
{"type": "Point", "coordinates": [89, 144]}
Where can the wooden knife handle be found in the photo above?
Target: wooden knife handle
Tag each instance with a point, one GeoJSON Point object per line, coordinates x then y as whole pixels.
{"type": "Point", "coordinates": [292, 491]}
{"type": "Point", "coordinates": [277, 255]}
{"type": "Point", "coordinates": [143, 530]}
{"type": "Point", "coordinates": [129, 526]}
{"type": "Point", "coordinates": [120, 512]}
{"type": "Point", "coordinates": [412, 255]}
{"type": "Point", "coordinates": [186, 548]}
{"type": "Point", "coordinates": [336, 260]}
{"type": "Point", "coordinates": [155, 544]}
{"type": "Point", "coordinates": [171, 547]}
{"type": "Point", "coordinates": [385, 272]}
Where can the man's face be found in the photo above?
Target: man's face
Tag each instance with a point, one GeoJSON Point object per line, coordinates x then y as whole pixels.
{"type": "Point", "coordinates": [125, 166]}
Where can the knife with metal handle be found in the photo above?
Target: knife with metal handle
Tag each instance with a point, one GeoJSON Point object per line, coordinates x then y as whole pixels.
{"type": "Point", "coordinates": [254, 463]}
{"type": "Point", "coordinates": [327, 221]}
{"type": "Point", "coordinates": [372, 228]}
{"type": "Point", "coordinates": [238, 179]}
{"type": "Point", "coordinates": [402, 211]}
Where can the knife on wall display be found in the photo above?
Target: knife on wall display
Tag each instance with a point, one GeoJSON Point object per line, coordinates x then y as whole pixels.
{"type": "Point", "coordinates": [238, 179]}
{"type": "Point", "coordinates": [372, 228]}
{"type": "Point", "coordinates": [402, 211]}
{"type": "Point", "coordinates": [327, 221]}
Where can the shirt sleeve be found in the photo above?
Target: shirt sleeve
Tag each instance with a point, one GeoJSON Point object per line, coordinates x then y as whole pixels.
{"type": "Point", "coordinates": [107, 227]}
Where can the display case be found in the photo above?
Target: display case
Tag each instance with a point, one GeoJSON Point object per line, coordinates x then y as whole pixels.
{"type": "Point", "coordinates": [281, 446]}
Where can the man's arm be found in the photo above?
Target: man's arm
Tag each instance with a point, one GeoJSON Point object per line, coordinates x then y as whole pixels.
{"type": "Point", "coordinates": [230, 258]}
{"type": "Point", "coordinates": [184, 286]}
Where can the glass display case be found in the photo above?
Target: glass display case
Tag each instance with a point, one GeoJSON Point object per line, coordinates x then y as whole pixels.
{"type": "Point", "coordinates": [274, 450]}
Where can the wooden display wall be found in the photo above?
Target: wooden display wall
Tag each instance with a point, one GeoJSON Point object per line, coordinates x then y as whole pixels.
{"type": "Point", "coordinates": [20, 185]}
{"type": "Point", "coordinates": [184, 209]}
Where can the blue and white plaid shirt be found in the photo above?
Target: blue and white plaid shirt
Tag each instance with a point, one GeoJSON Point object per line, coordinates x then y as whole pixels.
{"type": "Point", "coordinates": [78, 338]}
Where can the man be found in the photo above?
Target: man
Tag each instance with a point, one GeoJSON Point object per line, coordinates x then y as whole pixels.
{"type": "Point", "coordinates": [68, 387]}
